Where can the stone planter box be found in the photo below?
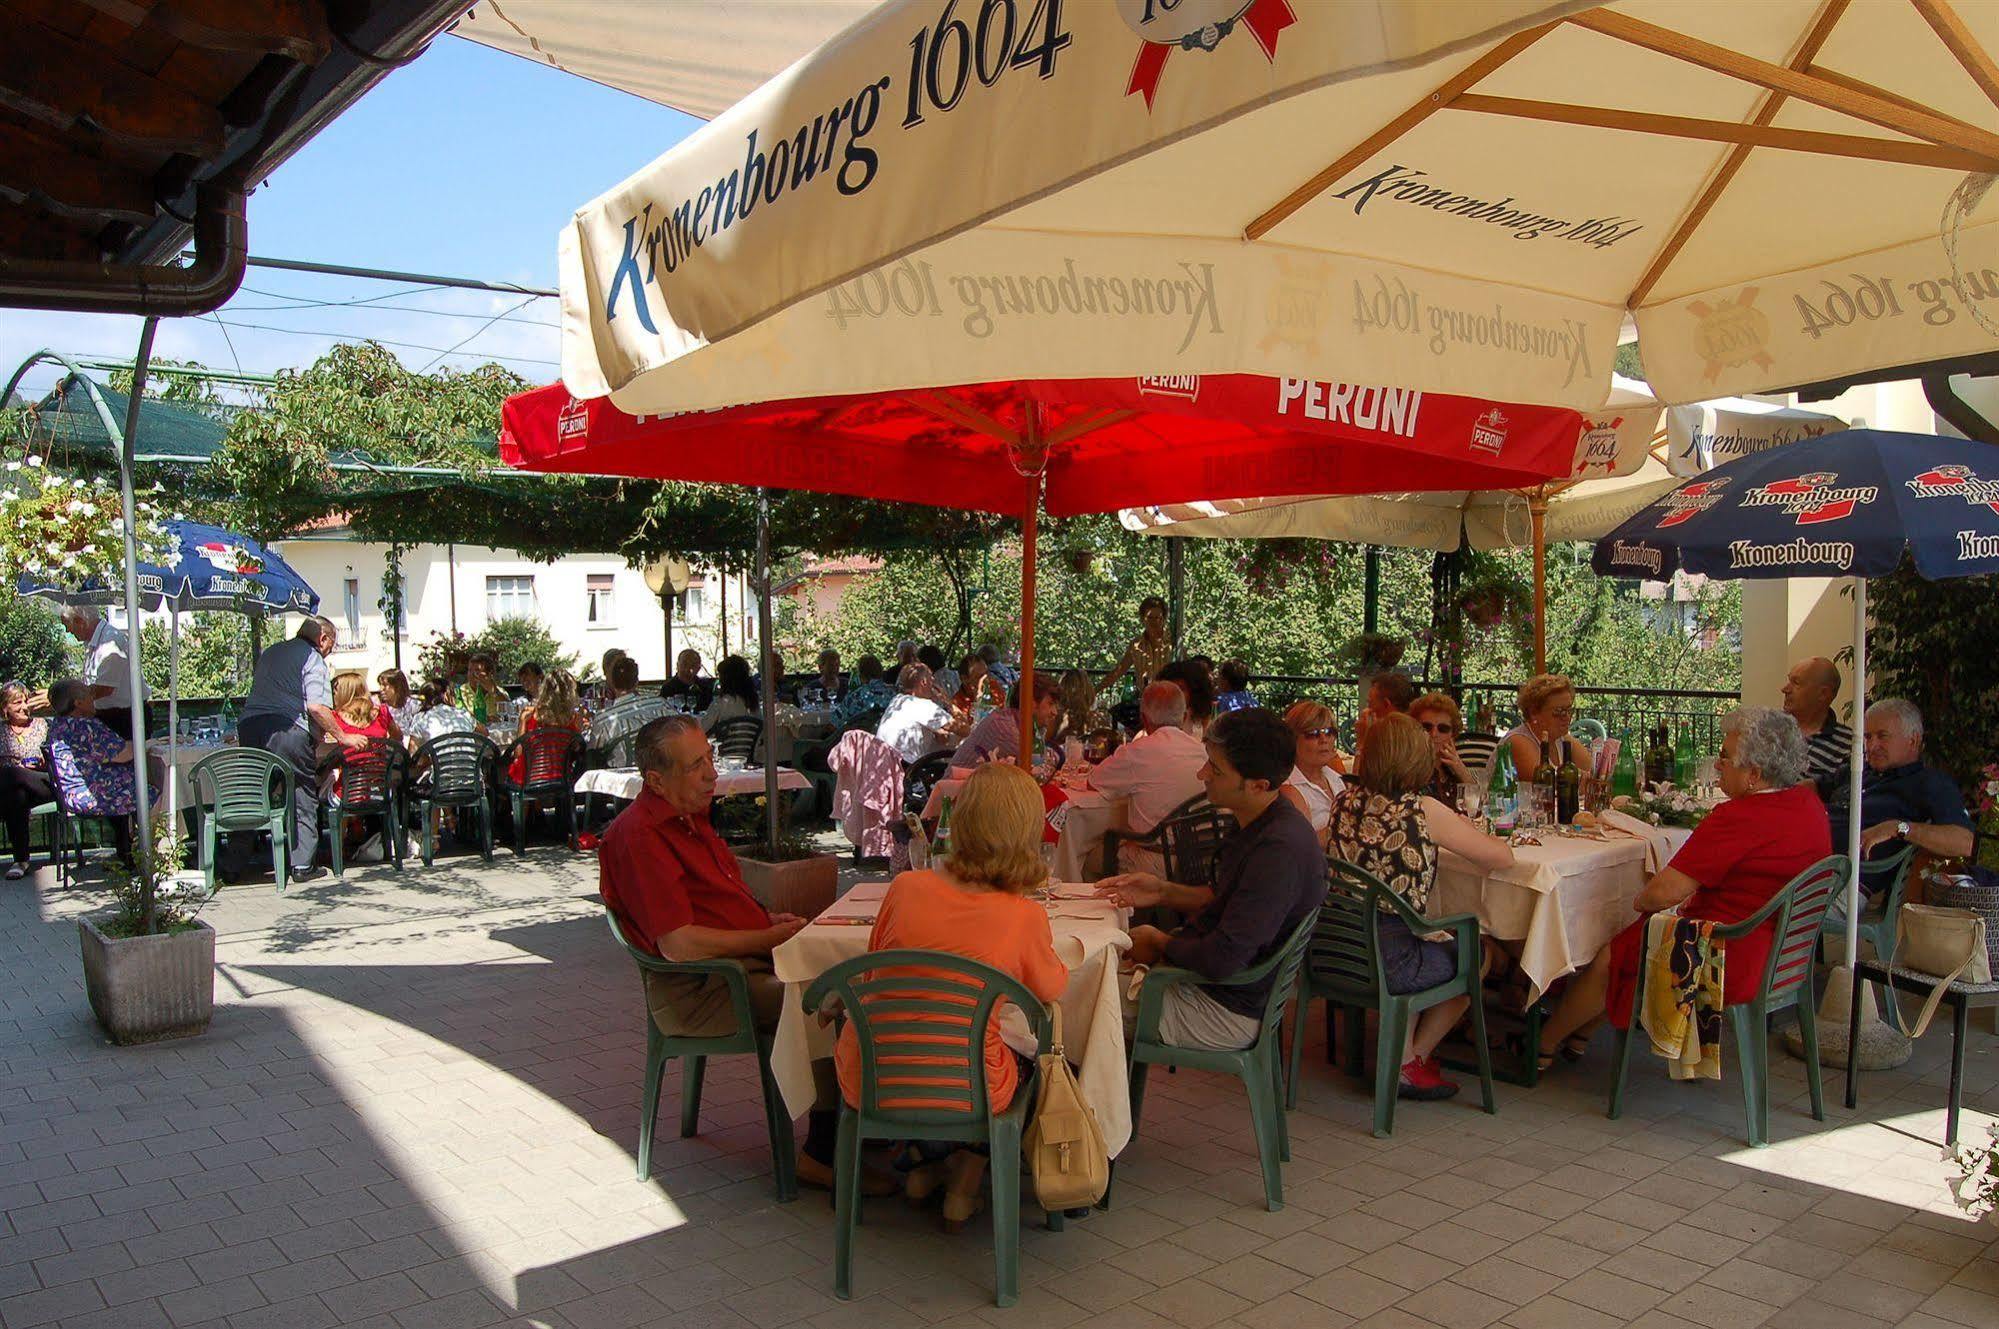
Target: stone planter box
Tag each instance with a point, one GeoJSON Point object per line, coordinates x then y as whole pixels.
{"type": "Point", "coordinates": [143, 989]}
{"type": "Point", "coordinates": [804, 886]}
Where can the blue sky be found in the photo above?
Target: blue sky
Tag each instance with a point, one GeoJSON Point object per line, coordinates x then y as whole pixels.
{"type": "Point", "coordinates": [466, 163]}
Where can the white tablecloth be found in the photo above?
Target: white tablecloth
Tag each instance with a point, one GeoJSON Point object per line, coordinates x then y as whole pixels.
{"type": "Point", "coordinates": [185, 757]}
{"type": "Point", "coordinates": [625, 782]}
{"type": "Point", "coordinates": [1089, 937]}
{"type": "Point", "coordinates": [1079, 853]}
{"type": "Point", "coordinates": [1561, 900]}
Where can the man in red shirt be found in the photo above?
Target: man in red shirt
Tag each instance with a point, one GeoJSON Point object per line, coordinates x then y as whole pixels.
{"type": "Point", "coordinates": [677, 893]}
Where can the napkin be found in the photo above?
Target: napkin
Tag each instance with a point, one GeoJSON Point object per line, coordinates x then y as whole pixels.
{"type": "Point", "coordinates": [1658, 851]}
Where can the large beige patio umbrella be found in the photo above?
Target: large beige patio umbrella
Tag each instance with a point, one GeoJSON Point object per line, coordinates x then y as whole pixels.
{"type": "Point", "coordinates": [1469, 197]}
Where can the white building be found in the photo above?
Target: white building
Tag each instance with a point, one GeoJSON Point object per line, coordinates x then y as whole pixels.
{"type": "Point", "coordinates": [589, 602]}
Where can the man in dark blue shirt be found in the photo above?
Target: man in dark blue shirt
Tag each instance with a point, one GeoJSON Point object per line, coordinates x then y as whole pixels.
{"type": "Point", "coordinates": [1270, 875]}
{"type": "Point", "coordinates": [1903, 800]}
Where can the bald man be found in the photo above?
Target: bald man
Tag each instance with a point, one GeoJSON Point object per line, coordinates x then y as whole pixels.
{"type": "Point", "coordinates": [1809, 692]}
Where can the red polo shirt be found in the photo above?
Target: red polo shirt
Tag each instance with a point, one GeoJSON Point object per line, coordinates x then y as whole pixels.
{"type": "Point", "coordinates": [660, 870]}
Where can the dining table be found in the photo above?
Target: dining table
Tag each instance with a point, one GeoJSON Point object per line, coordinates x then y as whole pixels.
{"type": "Point", "coordinates": [1090, 938]}
{"type": "Point", "coordinates": [625, 782]}
{"type": "Point", "coordinates": [1562, 899]}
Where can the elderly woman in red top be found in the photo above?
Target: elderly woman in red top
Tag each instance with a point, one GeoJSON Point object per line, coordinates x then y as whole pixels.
{"type": "Point", "coordinates": [677, 893]}
{"type": "Point", "coordinates": [1771, 828]}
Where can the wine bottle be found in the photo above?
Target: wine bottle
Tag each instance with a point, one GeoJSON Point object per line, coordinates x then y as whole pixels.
{"type": "Point", "coordinates": [1568, 785]}
{"type": "Point", "coordinates": [1659, 758]}
{"type": "Point", "coordinates": [1545, 794]}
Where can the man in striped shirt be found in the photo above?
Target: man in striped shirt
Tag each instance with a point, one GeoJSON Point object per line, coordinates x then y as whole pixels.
{"type": "Point", "coordinates": [1809, 692]}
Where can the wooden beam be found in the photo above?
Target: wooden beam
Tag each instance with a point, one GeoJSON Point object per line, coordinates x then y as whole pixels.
{"type": "Point", "coordinates": [42, 169]}
{"type": "Point", "coordinates": [1861, 85]}
{"type": "Point", "coordinates": [1088, 424]}
{"type": "Point", "coordinates": [1815, 38]}
{"type": "Point", "coordinates": [1734, 64]}
{"type": "Point", "coordinates": [1439, 98]}
{"type": "Point", "coordinates": [293, 28]}
{"type": "Point", "coordinates": [954, 412]}
{"type": "Point", "coordinates": [1732, 131]}
{"type": "Point", "coordinates": [1963, 44]}
{"type": "Point", "coordinates": [50, 77]}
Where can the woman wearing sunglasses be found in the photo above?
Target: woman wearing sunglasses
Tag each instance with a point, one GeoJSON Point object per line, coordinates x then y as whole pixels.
{"type": "Point", "coordinates": [1547, 705]}
{"type": "Point", "coordinates": [1442, 723]}
{"type": "Point", "coordinates": [1315, 780]}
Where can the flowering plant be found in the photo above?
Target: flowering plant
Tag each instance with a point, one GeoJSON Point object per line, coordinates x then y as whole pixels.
{"type": "Point", "coordinates": [1976, 1187]}
{"type": "Point", "coordinates": [1988, 791]}
{"type": "Point", "coordinates": [1663, 805]}
{"type": "Point", "coordinates": [70, 529]}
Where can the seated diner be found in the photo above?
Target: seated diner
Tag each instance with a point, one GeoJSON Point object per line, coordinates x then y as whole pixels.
{"type": "Point", "coordinates": [1547, 706]}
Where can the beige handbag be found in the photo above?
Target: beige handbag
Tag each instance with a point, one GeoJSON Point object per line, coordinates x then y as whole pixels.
{"type": "Point", "coordinates": [1064, 1145]}
{"type": "Point", "coordinates": [1947, 944]}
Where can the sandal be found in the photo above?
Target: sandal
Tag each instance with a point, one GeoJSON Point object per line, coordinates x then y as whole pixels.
{"type": "Point", "coordinates": [1516, 1047]}
{"type": "Point", "coordinates": [1574, 1048]}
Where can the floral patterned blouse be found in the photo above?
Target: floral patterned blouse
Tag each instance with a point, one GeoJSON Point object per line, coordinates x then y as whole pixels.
{"type": "Point", "coordinates": [20, 747]}
{"type": "Point", "coordinates": [80, 751]}
{"type": "Point", "coordinates": [1387, 837]}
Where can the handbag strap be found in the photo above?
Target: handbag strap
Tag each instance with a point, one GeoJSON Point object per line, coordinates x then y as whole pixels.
{"type": "Point", "coordinates": [1936, 995]}
{"type": "Point", "coordinates": [1054, 1032]}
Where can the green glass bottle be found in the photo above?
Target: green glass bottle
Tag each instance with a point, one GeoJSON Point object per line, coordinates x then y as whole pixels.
{"type": "Point", "coordinates": [1546, 793]}
{"type": "Point", "coordinates": [1659, 758]}
{"type": "Point", "coordinates": [1683, 758]}
{"type": "Point", "coordinates": [1568, 786]}
{"type": "Point", "coordinates": [1624, 777]}
{"type": "Point", "coordinates": [940, 844]}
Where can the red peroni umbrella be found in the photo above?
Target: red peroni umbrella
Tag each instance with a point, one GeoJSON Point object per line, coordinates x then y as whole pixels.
{"type": "Point", "coordinates": [1073, 445]}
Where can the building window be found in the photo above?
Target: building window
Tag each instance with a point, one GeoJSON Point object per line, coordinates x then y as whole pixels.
{"type": "Point", "coordinates": [509, 597]}
{"type": "Point", "coordinates": [691, 604]}
{"type": "Point", "coordinates": [350, 601]}
{"type": "Point", "coordinates": [597, 593]}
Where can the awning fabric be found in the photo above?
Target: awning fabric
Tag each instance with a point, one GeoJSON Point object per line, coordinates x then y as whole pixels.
{"type": "Point", "coordinates": [1467, 198]}
{"type": "Point", "coordinates": [1111, 443]}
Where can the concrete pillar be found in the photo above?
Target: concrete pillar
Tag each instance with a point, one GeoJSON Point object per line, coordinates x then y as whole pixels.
{"type": "Point", "coordinates": [1787, 621]}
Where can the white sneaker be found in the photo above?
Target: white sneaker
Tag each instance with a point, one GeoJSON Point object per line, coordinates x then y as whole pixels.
{"type": "Point", "coordinates": [16, 871]}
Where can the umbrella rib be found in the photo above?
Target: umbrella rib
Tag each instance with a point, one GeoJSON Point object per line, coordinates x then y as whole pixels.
{"type": "Point", "coordinates": [1088, 424]}
{"type": "Point", "coordinates": [952, 411]}
{"type": "Point", "coordinates": [1444, 94]}
{"type": "Point", "coordinates": [1734, 64]}
{"type": "Point", "coordinates": [1961, 43]}
{"type": "Point", "coordinates": [1861, 85]}
{"type": "Point", "coordinates": [1732, 131]}
{"type": "Point", "coordinates": [1808, 50]}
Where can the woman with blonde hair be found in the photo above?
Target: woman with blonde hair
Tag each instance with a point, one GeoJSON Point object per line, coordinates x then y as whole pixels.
{"type": "Point", "coordinates": [977, 903]}
{"type": "Point", "coordinates": [1079, 716]}
{"type": "Point", "coordinates": [1315, 781]}
{"type": "Point", "coordinates": [357, 712]}
{"type": "Point", "coordinates": [1547, 705]}
{"type": "Point", "coordinates": [1387, 826]}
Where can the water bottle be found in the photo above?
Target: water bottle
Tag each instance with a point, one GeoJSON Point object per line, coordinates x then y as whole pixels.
{"type": "Point", "coordinates": [1624, 780]}
{"type": "Point", "coordinates": [1683, 758]}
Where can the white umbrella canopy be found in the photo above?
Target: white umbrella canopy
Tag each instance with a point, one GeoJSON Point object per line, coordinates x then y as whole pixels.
{"type": "Point", "coordinates": [1465, 198]}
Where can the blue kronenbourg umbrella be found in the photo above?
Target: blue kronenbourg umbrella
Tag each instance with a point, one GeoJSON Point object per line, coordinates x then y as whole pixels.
{"type": "Point", "coordinates": [212, 569]}
{"type": "Point", "coordinates": [1843, 505]}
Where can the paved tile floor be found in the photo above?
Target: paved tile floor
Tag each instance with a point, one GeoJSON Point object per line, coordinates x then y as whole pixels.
{"type": "Point", "coordinates": [418, 1101]}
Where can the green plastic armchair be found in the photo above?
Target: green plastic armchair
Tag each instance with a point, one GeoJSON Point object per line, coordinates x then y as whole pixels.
{"type": "Point", "coordinates": [1343, 965]}
{"type": "Point", "coordinates": [1876, 929]}
{"type": "Point", "coordinates": [233, 792]}
{"type": "Point", "coordinates": [893, 1000]}
{"type": "Point", "coordinates": [1795, 913]}
{"type": "Point", "coordinates": [1260, 1066]}
{"type": "Point", "coordinates": [662, 1048]}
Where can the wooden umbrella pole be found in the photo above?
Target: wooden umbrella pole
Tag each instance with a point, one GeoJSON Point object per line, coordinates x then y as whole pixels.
{"type": "Point", "coordinates": [1030, 515]}
{"type": "Point", "coordinates": [1537, 512]}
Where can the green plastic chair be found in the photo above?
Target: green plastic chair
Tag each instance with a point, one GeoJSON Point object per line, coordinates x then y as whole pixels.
{"type": "Point", "coordinates": [662, 1048]}
{"type": "Point", "coordinates": [1260, 1066]}
{"type": "Point", "coordinates": [551, 761]}
{"type": "Point", "coordinates": [1877, 930]}
{"type": "Point", "coordinates": [453, 771]}
{"type": "Point", "coordinates": [890, 1015]}
{"type": "Point", "coordinates": [1343, 965]}
{"type": "Point", "coordinates": [234, 791]}
{"type": "Point", "coordinates": [1797, 911]}
{"type": "Point", "coordinates": [370, 788]}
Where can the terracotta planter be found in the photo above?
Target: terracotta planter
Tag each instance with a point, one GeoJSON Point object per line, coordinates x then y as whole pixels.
{"type": "Point", "coordinates": [143, 989]}
{"type": "Point", "coordinates": [804, 886]}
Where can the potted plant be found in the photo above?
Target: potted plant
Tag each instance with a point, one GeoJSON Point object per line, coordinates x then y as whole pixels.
{"type": "Point", "coordinates": [1368, 654]}
{"type": "Point", "coordinates": [149, 965]}
{"type": "Point", "coordinates": [788, 874]}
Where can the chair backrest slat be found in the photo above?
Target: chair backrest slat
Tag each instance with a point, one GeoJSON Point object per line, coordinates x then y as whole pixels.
{"type": "Point", "coordinates": [454, 769]}
{"type": "Point", "coordinates": [1190, 837]}
{"type": "Point", "coordinates": [920, 1020]}
{"type": "Point", "coordinates": [1795, 926]}
{"type": "Point", "coordinates": [239, 784]}
{"type": "Point", "coordinates": [737, 736]}
{"type": "Point", "coordinates": [921, 777]}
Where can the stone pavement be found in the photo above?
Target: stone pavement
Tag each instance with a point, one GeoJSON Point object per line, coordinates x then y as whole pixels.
{"type": "Point", "coordinates": [417, 1106]}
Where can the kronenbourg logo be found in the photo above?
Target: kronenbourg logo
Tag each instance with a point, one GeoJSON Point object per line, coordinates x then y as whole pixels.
{"type": "Point", "coordinates": [1488, 432]}
{"type": "Point", "coordinates": [1598, 447]}
{"type": "Point", "coordinates": [573, 424]}
{"type": "Point", "coordinates": [1689, 501]}
{"type": "Point", "coordinates": [1644, 558]}
{"type": "Point", "coordinates": [1971, 546]}
{"type": "Point", "coordinates": [1811, 499]}
{"type": "Point", "coordinates": [1956, 481]}
{"type": "Point", "coordinates": [1195, 25]}
{"type": "Point", "coordinates": [226, 557]}
{"type": "Point", "coordinates": [1798, 553]}
{"type": "Point", "coordinates": [1187, 387]}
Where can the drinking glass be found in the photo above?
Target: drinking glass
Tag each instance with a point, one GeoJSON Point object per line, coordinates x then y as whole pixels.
{"type": "Point", "coordinates": [1471, 799]}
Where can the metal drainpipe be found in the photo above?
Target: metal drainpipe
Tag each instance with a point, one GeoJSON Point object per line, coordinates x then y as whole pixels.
{"type": "Point", "coordinates": [221, 249]}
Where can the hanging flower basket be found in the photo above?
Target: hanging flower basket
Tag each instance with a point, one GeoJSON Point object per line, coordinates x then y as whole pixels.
{"type": "Point", "coordinates": [1487, 604]}
{"type": "Point", "coordinates": [1081, 561]}
{"type": "Point", "coordinates": [70, 530]}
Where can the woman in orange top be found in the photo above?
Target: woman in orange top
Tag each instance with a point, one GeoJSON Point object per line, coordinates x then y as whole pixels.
{"type": "Point", "coordinates": [976, 906]}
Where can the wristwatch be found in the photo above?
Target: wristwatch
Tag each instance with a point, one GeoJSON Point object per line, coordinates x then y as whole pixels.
{"type": "Point", "coordinates": [1902, 829]}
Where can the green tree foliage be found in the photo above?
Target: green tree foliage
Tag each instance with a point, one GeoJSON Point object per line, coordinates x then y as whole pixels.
{"type": "Point", "coordinates": [33, 646]}
{"type": "Point", "coordinates": [214, 655]}
{"type": "Point", "coordinates": [512, 642]}
{"type": "Point", "coordinates": [1937, 644]}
